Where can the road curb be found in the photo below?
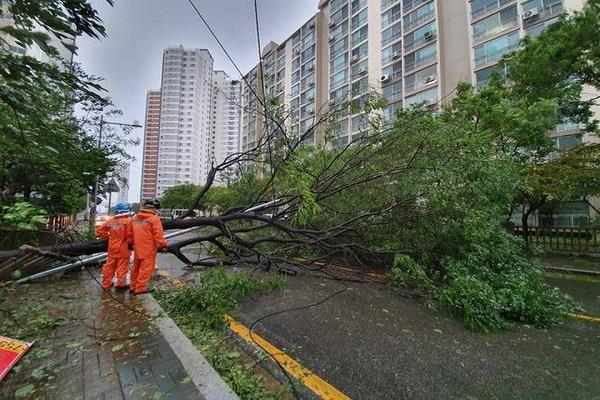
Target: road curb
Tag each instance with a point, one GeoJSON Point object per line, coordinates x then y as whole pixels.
{"type": "Point", "coordinates": [209, 383]}
{"type": "Point", "coordinates": [572, 271]}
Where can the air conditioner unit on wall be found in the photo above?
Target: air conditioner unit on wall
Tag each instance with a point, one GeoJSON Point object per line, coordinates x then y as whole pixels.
{"type": "Point", "coordinates": [429, 80]}
{"type": "Point", "coordinates": [354, 59]}
{"type": "Point", "coordinates": [429, 35]}
{"type": "Point", "coordinates": [396, 55]}
{"type": "Point", "coordinates": [529, 14]}
{"type": "Point", "coordinates": [332, 24]}
{"type": "Point", "coordinates": [384, 78]}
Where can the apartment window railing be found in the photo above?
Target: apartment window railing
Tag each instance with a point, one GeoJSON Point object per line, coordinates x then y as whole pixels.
{"type": "Point", "coordinates": [410, 23]}
{"type": "Point", "coordinates": [388, 3]}
{"type": "Point", "coordinates": [479, 8]}
{"type": "Point", "coordinates": [391, 34]}
{"type": "Point", "coordinates": [494, 31]}
{"type": "Point", "coordinates": [413, 64]}
{"type": "Point", "coordinates": [410, 4]}
{"type": "Point", "coordinates": [495, 55]}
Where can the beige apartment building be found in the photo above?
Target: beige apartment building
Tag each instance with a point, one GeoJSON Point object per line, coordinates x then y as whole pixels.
{"type": "Point", "coordinates": [411, 51]}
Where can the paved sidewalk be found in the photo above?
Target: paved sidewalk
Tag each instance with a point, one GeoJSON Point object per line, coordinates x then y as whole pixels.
{"type": "Point", "coordinates": [88, 346]}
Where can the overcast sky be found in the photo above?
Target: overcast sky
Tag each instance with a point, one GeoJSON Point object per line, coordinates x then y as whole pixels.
{"type": "Point", "coordinates": [138, 30]}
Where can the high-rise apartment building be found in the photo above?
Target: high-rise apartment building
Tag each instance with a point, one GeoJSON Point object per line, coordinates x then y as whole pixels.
{"type": "Point", "coordinates": [65, 53]}
{"type": "Point", "coordinates": [184, 147]}
{"type": "Point", "coordinates": [150, 155]}
{"type": "Point", "coordinates": [226, 111]}
{"type": "Point", "coordinates": [411, 51]}
{"type": "Point", "coordinates": [192, 123]}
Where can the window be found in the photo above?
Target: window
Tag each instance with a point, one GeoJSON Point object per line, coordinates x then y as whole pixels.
{"type": "Point", "coordinates": [360, 87]}
{"type": "Point", "coordinates": [536, 30]}
{"type": "Point", "coordinates": [428, 96]}
{"type": "Point", "coordinates": [339, 16]}
{"type": "Point", "coordinates": [423, 34]}
{"type": "Point", "coordinates": [339, 31]}
{"type": "Point", "coordinates": [568, 142]}
{"type": "Point", "coordinates": [339, 79]}
{"type": "Point", "coordinates": [339, 94]}
{"type": "Point", "coordinates": [360, 69]}
{"type": "Point", "coordinates": [359, 19]}
{"type": "Point", "coordinates": [496, 23]}
{"type": "Point", "coordinates": [391, 34]}
{"type": "Point", "coordinates": [338, 47]}
{"type": "Point", "coordinates": [419, 16]}
{"type": "Point", "coordinates": [393, 92]}
{"type": "Point", "coordinates": [483, 75]}
{"type": "Point", "coordinates": [309, 67]}
{"type": "Point", "coordinates": [308, 53]}
{"type": "Point", "coordinates": [360, 35]}
{"type": "Point", "coordinates": [391, 53]}
{"type": "Point", "coordinates": [388, 3]}
{"type": "Point", "coordinates": [308, 82]}
{"type": "Point", "coordinates": [482, 7]}
{"type": "Point", "coordinates": [360, 122]}
{"type": "Point", "coordinates": [295, 90]}
{"type": "Point", "coordinates": [420, 57]}
{"type": "Point", "coordinates": [295, 77]}
{"type": "Point", "coordinates": [544, 8]}
{"type": "Point", "coordinates": [390, 111]}
{"type": "Point", "coordinates": [410, 4]}
{"type": "Point", "coordinates": [338, 63]}
{"type": "Point", "coordinates": [494, 50]}
{"type": "Point", "coordinates": [421, 79]}
{"type": "Point", "coordinates": [357, 5]}
{"type": "Point", "coordinates": [390, 16]}
{"type": "Point", "coordinates": [393, 71]}
{"type": "Point", "coordinates": [360, 51]}
{"type": "Point", "coordinates": [336, 4]}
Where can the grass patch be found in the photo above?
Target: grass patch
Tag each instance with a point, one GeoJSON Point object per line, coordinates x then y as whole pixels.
{"type": "Point", "coordinates": [199, 311]}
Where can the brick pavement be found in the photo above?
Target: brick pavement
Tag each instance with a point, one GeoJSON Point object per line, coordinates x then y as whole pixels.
{"type": "Point", "coordinates": [99, 350]}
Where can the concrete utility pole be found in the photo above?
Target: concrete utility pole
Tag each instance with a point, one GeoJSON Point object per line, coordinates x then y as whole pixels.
{"type": "Point", "coordinates": [93, 205]}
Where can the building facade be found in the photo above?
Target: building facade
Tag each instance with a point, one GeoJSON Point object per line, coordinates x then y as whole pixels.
{"type": "Point", "coordinates": [225, 140]}
{"type": "Point", "coordinates": [185, 117]}
{"type": "Point", "coordinates": [150, 149]}
{"type": "Point", "coordinates": [192, 123]}
{"type": "Point", "coordinates": [411, 51]}
{"type": "Point", "coordinates": [65, 53]}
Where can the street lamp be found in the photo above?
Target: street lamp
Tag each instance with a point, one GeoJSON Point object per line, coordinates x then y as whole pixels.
{"type": "Point", "coordinates": [93, 205]}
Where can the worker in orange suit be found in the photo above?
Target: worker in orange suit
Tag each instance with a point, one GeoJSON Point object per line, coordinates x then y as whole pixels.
{"type": "Point", "coordinates": [116, 230]}
{"type": "Point", "coordinates": [147, 236]}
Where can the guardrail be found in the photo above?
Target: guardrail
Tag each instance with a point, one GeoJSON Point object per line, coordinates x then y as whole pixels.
{"type": "Point", "coordinates": [562, 238]}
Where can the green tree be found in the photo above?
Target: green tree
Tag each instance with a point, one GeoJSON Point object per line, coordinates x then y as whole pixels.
{"type": "Point", "coordinates": [46, 153]}
{"type": "Point", "coordinates": [179, 196]}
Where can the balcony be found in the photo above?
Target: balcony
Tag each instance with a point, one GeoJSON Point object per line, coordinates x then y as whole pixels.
{"type": "Point", "coordinates": [494, 31]}
{"type": "Point", "coordinates": [488, 8]}
{"type": "Point", "coordinates": [496, 55]}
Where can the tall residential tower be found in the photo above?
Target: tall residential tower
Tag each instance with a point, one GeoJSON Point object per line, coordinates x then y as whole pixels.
{"type": "Point", "coordinates": [184, 142]}
{"type": "Point", "coordinates": [150, 156]}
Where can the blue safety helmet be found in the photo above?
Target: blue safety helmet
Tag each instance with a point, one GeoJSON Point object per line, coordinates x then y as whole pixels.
{"type": "Point", "coordinates": [121, 208]}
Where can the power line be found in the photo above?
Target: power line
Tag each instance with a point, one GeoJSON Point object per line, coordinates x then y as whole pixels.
{"type": "Point", "coordinates": [214, 35]}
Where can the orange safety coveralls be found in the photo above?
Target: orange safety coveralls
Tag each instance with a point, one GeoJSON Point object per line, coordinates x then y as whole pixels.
{"type": "Point", "coordinates": [116, 230]}
{"type": "Point", "coordinates": [147, 234]}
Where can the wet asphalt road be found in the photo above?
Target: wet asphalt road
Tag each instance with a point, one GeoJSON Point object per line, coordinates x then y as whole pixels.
{"type": "Point", "coordinates": [372, 343]}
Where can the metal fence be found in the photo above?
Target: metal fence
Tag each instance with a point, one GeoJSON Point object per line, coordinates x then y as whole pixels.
{"type": "Point", "coordinates": [562, 238]}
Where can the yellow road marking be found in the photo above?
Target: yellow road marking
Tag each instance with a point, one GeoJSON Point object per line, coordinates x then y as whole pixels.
{"type": "Point", "coordinates": [315, 383]}
{"type": "Point", "coordinates": [320, 387]}
{"type": "Point", "coordinates": [584, 317]}
{"type": "Point", "coordinates": [174, 281]}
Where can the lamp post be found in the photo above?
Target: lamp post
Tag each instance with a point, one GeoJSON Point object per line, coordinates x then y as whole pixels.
{"type": "Point", "coordinates": [93, 205]}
